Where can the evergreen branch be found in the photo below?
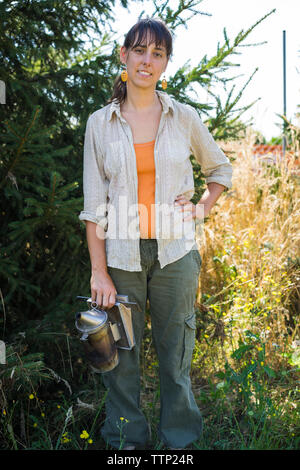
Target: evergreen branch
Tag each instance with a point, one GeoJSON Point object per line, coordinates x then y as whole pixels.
{"type": "Point", "coordinates": [52, 196]}
{"type": "Point", "coordinates": [73, 68]}
{"type": "Point", "coordinates": [206, 67]}
{"type": "Point", "coordinates": [172, 17]}
{"type": "Point", "coordinates": [20, 148]}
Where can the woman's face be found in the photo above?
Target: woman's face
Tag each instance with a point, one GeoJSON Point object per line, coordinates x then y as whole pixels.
{"type": "Point", "coordinates": [145, 63]}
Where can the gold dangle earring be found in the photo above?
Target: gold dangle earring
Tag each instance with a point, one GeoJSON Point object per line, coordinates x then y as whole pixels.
{"type": "Point", "coordinates": [164, 83]}
{"type": "Point", "coordinates": [124, 75]}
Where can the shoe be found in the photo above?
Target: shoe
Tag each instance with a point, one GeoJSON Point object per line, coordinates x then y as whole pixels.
{"type": "Point", "coordinates": [128, 448]}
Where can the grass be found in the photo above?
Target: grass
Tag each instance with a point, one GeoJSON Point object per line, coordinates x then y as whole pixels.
{"type": "Point", "coordinates": [246, 360]}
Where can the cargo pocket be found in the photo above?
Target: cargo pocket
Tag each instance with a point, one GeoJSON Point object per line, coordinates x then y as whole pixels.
{"type": "Point", "coordinates": [189, 340]}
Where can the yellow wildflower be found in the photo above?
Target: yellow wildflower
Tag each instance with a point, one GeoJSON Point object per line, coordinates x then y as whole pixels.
{"type": "Point", "coordinates": [90, 441]}
{"type": "Point", "coordinates": [84, 434]}
{"type": "Point", "coordinates": [65, 439]}
{"type": "Point", "coordinates": [31, 396]}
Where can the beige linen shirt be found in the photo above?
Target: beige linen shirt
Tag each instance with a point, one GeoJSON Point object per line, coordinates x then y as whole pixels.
{"type": "Point", "coordinates": [110, 183]}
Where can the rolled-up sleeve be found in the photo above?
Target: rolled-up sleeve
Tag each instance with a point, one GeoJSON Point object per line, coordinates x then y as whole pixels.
{"type": "Point", "coordinates": [215, 166]}
{"type": "Point", "coordinates": [95, 183]}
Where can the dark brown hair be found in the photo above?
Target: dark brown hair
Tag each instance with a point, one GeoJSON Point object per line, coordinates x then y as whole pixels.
{"type": "Point", "coordinates": [159, 33]}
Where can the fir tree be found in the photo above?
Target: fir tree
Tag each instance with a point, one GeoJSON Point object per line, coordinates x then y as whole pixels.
{"type": "Point", "coordinates": [59, 63]}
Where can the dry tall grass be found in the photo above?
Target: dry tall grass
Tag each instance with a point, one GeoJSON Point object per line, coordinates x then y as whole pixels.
{"type": "Point", "coordinates": [250, 259]}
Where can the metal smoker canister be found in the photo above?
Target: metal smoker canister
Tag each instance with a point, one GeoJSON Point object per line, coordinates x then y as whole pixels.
{"type": "Point", "coordinates": [100, 346]}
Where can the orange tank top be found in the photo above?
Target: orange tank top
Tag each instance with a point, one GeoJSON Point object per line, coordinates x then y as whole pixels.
{"type": "Point", "coordinates": [146, 187]}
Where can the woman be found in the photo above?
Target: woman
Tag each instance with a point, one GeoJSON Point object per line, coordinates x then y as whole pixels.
{"type": "Point", "coordinates": [140, 225]}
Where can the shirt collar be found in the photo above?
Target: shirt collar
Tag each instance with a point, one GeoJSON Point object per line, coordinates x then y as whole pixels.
{"type": "Point", "coordinates": [164, 98]}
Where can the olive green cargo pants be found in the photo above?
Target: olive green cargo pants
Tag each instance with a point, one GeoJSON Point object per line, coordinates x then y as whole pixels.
{"type": "Point", "coordinates": [172, 293]}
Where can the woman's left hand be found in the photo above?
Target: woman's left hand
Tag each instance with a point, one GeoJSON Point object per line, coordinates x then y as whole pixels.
{"type": "Point", "coordinates": [192, 211]}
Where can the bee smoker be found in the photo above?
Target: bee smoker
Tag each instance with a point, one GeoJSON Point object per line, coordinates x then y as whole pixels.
{"type": "Point", "coordinates": [104, 332]}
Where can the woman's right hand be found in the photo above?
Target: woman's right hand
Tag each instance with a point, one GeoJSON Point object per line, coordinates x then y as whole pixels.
{"type": "Point", "coordinates": [103, 291]}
